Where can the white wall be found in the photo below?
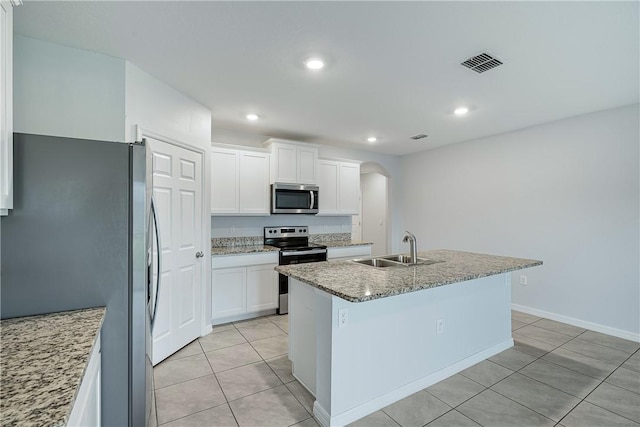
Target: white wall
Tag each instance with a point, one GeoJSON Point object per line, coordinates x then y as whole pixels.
{"type": "Point", "coordinates": [156, 106]}
{"type": "Point", "coordinates": [566, 192]}
{"type": "Point", "coordinates": [63, 91]}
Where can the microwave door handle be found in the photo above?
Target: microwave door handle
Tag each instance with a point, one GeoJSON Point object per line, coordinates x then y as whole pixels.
{"type": "Point", "coordinates": [313, 199]}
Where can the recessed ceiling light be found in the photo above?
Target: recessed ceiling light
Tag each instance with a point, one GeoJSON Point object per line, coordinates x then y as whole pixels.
{"type": "Point", "coordinates": [253, 117]}
{"type": "Point", "coordinates": [372, 139]}
{"type": "Point", "coordinates": [461, 111]}
{"type": "Point", "coordinates": [314, 63]}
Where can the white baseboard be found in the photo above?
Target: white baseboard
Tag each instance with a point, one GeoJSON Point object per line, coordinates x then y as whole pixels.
{"type": "Point", "coordinates": [245, 316]}
{"type": "Point", "coordinates": [407, 390]}
{"type": "Point", "coordinates": [620, 333]}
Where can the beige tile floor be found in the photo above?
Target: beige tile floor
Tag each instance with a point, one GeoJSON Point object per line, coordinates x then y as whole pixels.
{"type": "Point", "coordinates": [555, 375]}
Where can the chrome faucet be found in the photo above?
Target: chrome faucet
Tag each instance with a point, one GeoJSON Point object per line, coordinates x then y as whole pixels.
{"type": "Point", "coordinates": [413, 253]}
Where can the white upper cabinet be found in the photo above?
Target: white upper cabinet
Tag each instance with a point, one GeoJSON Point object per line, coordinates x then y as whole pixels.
{"type": "Point", "coordinates": [6, 107]}
{"type": "Point", "coordinates": [225, 177]}
{"type": "Point", "coordinates": [307, 163]}
{"type": "Point", "coordinates": [339, 184]}
{"type": "Point", "coordinates": [328, 171]}
{"type": "Point", "coordinates": [349, 188]}
{"type": "Point", "coordinates": [254, 183]}
{"type": "Point", "coordinates": [293, 162]}
{"type": "Point", "coordinates": [239, 182]}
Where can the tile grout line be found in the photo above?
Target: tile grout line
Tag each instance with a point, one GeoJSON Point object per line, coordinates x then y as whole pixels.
{"type": "Point", "coordinates": [226, 399]}
{"type": "Point", "coordinates": [577, 397]}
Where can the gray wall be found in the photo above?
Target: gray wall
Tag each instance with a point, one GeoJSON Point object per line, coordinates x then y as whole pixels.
{"type": "Point", "coordinates": [565, 192]}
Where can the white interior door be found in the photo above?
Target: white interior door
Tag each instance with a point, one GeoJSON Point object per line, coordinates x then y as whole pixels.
{"type": "Point", "coordinates": [177, 191]}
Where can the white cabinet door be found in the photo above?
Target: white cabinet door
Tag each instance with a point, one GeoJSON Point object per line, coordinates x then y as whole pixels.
{"type": "Point", "coordinates": [225, 169]}
{"type": "Point", "coordinates": [307, 159]}
{"type": "Point", "coordinates": [6, 107]}
{"type": "Point", "coordinates": [339, 184]}
{"type": "Point", "coordinates": [228, 292]}
{"type": "Point", "coordinates": [254, 183]}
{"type": "Point", "coordinates": [262, 288]}
{"type": "Point", "coordinates": [284, 163]}
{"type": "Point", "coordinates": [328, 184]}
{"type": "Point", "coordinates": [349, 188]}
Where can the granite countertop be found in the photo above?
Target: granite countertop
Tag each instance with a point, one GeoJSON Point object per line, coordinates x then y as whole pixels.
{"type": "Point", "coordinates": [358, 283]}
{"type": "Point", "coordinates": [249, 249]}
{"type": "Point", "coordinates": [42, 361]}
{"type": "Point", "coordinates": [342, 243]}
{"type": "Point", "coordinates": [244, 249]}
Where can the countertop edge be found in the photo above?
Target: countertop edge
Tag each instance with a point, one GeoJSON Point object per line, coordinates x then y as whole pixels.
{"type": "Point", "coordinates": [525, 263]}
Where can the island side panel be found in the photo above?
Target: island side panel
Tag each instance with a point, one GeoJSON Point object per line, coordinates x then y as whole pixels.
{"type": "Point", "coordinates": [391, 349]}
{"type": "Point", "coordinates": [302, 333]}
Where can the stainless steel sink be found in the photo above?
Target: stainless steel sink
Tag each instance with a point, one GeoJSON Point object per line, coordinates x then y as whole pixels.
{"type": "Point", "coordinates": [405, 259]}
{"type": "Point", "coordinates": [377, 262]}
{"type": "Point", "coordinates": [398, 260]}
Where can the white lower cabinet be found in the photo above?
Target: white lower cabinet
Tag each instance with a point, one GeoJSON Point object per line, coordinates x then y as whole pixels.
{"type": "Point", "coordinates": [229, 292]}
{"type": "Point", "coordinates": [243, 284]}
{"type": "Point", "coordinates": [262, 288]}
{"type": "Point", "coordinates": [86, 409]}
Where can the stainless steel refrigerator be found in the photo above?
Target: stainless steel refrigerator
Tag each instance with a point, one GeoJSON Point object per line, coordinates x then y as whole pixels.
{"type": "Point", "coordinates": [80, 235]}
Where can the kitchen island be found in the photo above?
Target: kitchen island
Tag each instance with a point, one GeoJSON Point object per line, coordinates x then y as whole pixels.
{"type": "Point", "coordinates": [363, 337]}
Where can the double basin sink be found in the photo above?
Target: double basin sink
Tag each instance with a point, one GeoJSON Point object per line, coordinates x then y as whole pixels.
{"type": "Point", "coordinates": [398, 260]}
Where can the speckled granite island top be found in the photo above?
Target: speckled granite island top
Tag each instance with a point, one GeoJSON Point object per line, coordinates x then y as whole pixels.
{"type": "Point", "coordinates": [358, 283]}
{"type": "Point", "coordinates": [43, 359]}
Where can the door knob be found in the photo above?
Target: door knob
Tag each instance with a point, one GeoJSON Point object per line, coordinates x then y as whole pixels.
{"type": "Point", "coordinates": [199, 254]}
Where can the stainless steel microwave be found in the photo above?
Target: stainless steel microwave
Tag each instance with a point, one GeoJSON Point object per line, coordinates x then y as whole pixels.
{"type": "Point", "coordinates": [294, 198]}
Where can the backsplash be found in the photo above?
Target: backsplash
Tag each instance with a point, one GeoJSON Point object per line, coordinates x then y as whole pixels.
{"type": "Point", "coordinates": [329, 237]}
{"type": "Point", "coordinates": [224, 242]}
{"type": "Point", "coordinates": [252, 226]}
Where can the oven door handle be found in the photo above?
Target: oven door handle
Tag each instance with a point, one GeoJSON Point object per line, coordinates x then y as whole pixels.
{"type": "Point", "coordinates": [309, 252]}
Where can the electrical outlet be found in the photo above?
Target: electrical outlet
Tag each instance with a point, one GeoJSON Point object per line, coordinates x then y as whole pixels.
{"type": "Point", "coordinates": [343, 317]}
{"type": "Point", "coordinates": [523, 280]}
{"type": "Point", "coordinates": [440, 326]}
{"type": "Point", "coordinates": [233, 230]}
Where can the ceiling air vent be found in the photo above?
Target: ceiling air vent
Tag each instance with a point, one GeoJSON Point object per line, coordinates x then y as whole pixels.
{"type": "Point", "coordinates": [482, 62]}
{"type": "Point", "coordinates": [419, 136]}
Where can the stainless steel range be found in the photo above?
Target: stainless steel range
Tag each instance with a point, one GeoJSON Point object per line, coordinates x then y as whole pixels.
{"type": "Point", "coordinates": [294, 249]}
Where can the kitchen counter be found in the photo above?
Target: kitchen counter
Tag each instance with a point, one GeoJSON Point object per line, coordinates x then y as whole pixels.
{"type": "Point", "coordinates": [42, 361]}
{"type": "Point", "coordinates": [238, 250]}
{"type": "Point", "coordinates": [248, 249]}
{"type": "Point", "coordinates": [357, 283]}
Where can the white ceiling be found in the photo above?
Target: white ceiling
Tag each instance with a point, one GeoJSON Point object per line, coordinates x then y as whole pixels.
{"type": "Point", "coordinates": [394, 67]}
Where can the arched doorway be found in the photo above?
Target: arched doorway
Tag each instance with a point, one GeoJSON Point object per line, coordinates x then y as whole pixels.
{"type": "Point", "coordinates": [374, 213]}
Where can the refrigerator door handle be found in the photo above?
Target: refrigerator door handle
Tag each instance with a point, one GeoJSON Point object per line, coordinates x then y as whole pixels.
{"type": "Point", "coordinates": [158, 258]}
